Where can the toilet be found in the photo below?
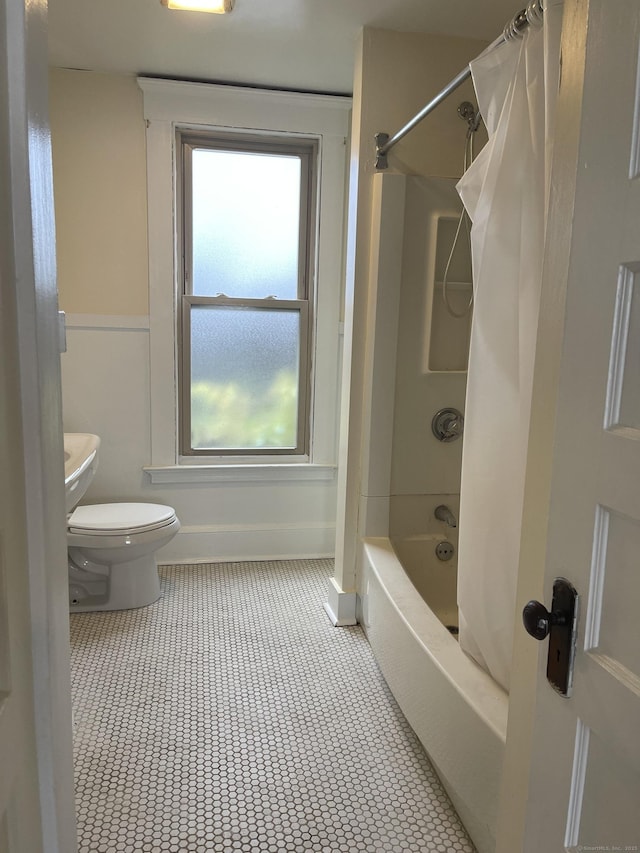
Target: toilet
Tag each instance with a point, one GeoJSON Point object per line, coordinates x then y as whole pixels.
{"type": "Point", "coordinates": [112, 554]}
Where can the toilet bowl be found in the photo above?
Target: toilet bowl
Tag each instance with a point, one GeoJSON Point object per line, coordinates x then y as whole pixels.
{"type": "Point", "coordinates": [112, 554]}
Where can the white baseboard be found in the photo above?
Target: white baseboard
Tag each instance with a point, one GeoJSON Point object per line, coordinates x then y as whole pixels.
{"type": "Point", "coordinates": [340, 606]}
{"type": "Point", "coordinates": [206, 544]}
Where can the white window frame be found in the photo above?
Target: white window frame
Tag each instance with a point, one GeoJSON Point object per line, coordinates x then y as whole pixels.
{"type": "Point", "coordinates": [169, 105]}
{"type": "Point", "coordinates": [306, 151]}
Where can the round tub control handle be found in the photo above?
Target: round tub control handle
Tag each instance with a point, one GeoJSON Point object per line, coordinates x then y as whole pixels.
{"type": "Point", "coordinates": [538, 621]}
{"type": "Point", "coordinates": [447, 424]}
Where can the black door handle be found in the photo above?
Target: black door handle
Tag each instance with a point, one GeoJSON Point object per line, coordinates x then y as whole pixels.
{"type": "Point", "coordinates": [538, 621]}
{"type": "Point", "coordinates": [559, 625]}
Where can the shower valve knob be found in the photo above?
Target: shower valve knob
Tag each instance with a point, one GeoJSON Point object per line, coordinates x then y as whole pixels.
{"type": "Point", "coordinates": [447, 425]}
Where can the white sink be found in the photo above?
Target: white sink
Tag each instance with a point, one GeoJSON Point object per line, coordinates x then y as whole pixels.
{"type": "Point", "coordinates": [80, 463]}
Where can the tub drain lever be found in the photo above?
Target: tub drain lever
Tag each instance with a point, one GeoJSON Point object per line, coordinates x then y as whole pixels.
{"type": "Point", "coordinates": [445, 551]}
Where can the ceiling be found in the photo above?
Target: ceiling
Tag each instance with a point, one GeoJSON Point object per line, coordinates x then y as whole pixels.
{"type": "Point", "coordinates": [306, 45]}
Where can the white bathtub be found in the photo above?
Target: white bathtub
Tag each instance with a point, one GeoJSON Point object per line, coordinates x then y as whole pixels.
{"type": "Point", "coordinates": [456, 709]}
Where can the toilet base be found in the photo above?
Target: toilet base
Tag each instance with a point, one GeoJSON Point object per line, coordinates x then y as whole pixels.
{"type": "Point", "coordinates": [119, 586]}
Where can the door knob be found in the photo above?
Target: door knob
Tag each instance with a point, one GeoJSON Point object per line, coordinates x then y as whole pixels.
{"type": "Point", "coordinates": [538, 621]}
{"type": "Point", "coordinates": [560, 625]}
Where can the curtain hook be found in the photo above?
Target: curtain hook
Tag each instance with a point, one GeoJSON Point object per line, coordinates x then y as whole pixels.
{"type": "Point", "coordinates": [532, 15]}
{"type": "Point", "coordinates": [534, 12]}
{"type": "Point", "coordinates": [509, 31]}
{"type": "Point", "coordinates": [513, 30]}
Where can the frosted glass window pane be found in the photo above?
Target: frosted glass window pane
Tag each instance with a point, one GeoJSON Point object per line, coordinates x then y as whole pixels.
{"type": "Point", "coordinates": [244, 378]}
{"type": "Point", "coordinates": [246, 223]}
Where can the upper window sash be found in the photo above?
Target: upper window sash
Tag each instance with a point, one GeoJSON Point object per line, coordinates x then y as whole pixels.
{"type": "Point", "coordinates": [305, 150]}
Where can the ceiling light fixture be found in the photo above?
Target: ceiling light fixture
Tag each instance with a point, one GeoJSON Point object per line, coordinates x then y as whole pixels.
{"type": "Point", "coordinates": [220, 7]}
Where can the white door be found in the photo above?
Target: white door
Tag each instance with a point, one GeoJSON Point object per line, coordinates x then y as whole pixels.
{"type": "Point", "coordinates": [584, 789]}
{"type": "Point", "coordinates": [36, 773]}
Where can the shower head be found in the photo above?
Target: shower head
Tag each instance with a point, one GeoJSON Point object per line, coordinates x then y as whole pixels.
{"type": "Point", "coordinates": [470, 114]}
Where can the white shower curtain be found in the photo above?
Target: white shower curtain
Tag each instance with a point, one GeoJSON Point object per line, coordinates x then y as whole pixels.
{"type": "Point", "coordinates": [505, 192]}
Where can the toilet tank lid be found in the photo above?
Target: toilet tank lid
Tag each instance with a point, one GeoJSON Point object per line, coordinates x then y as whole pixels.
{"type": "Point", "coordinates": [120, 516]}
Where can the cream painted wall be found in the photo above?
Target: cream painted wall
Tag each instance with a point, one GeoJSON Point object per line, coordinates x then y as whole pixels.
{"type": "Point", "coordinates": [100, 192]}
{"type": "Point", "coordinates": [396, 75]}
{"type": "Point", "coordinates": [401, 73]}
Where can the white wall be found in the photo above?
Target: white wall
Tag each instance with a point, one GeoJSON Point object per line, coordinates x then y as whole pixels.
{"type": "Point", "coordinates": [100, 188]}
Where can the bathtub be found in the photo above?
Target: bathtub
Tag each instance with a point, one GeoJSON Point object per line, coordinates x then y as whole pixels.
{"type": "Point", "coordinates": [456, 709]}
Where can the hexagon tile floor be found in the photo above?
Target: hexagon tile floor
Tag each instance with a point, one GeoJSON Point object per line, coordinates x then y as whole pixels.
{"type": "Point", "coordinates": [232, 716]}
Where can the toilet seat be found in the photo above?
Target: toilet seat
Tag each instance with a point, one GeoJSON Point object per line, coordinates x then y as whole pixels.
{"type": "Point", "coordinates": [118, 519]}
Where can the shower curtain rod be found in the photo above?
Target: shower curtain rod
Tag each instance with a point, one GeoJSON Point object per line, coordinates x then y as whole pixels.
{"type": "Point", "coordinates": [513, 29]}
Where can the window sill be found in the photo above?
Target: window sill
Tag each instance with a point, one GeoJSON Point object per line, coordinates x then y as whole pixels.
{"type": "Point", "coordinates": [265, 473]}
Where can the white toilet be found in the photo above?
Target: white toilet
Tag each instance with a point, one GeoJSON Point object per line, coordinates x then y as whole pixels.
{"type": "Point", "coordinates": [111, 546]}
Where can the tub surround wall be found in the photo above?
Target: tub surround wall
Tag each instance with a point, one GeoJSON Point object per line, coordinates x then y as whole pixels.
{"type": "Point", "coordinates": [98, 139]}
{"type": "Point", "coordinates": [396, 74]}
{"type": "Point", "coordinates": [413, 515]}
{"type": "Point", "coordinates": [405, 469]}
{"type": "Point", "coordinates": [420, 463]}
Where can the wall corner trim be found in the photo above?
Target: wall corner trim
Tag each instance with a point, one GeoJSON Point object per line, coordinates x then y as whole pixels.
{"type": "Point", "coordinates": [340, 606]}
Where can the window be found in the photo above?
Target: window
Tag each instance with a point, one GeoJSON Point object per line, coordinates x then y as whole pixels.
{"type": "Point", "coordinates": [248, 225]}
{"type": "Point", "coordinates": [244, 327]}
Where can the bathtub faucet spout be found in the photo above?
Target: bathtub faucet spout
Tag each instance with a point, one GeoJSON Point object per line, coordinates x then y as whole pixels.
{"type": "Point", "coordinates": [443, 513]}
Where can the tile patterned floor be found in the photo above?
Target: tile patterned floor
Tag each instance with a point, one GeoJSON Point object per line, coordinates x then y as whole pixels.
{"type": "Point", "coordinates": [231, 716]}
